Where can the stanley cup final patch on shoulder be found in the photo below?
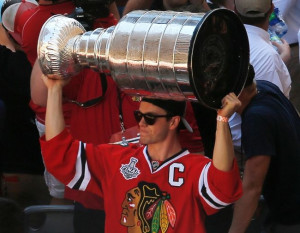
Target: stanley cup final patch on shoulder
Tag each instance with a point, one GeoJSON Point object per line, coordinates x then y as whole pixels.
{"type": "Point", "coordinates": [130, 171]}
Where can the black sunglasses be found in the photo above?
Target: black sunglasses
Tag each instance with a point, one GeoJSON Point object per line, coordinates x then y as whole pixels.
{"type": "Point", "coordinates": [149, 118]}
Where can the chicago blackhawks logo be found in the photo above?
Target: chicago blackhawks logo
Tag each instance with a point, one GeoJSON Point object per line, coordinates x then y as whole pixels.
{"type": "Point", "coordinates": [147, 209]}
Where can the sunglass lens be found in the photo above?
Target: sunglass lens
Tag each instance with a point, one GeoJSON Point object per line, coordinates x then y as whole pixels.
{"type": "Point", "coordinates": [138, 116]}
{"type": "Point", "coordinates": [150, 120]}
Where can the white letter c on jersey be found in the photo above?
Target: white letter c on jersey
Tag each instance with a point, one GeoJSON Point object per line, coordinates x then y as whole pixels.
{"type": "Point", "coordinates": [179, 182]}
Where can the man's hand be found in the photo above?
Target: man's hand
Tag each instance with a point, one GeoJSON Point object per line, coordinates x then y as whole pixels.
{"type": "Point", "coordinates": [52, 81]}
{"type": "Point", "coordinates": [284, 50]}
{"type": "Point", "coordinates": [230, 104]}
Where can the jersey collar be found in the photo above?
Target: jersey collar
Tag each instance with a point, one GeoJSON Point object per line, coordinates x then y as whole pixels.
{"type": "Point", "coordinates": [165, 163]}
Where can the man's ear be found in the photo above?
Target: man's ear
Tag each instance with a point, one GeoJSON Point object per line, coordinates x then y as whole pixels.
{"type": "Point", "coordinates": [174, 122]}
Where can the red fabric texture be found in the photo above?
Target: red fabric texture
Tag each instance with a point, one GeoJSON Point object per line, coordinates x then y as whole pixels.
{"type": "Point", "coordinates": [31, 22]}
{"type": "Point", "coordinates": [191, 141]}
{"type": "Point", "coordinates": [105, 22]}
{"type": "Point", "coordinates": [15, 19]}
{"type": "Point", "coordinates": [70, 92]}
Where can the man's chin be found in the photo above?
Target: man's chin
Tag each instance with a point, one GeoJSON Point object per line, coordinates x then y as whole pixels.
{"type": "Point", "coordinates": [124, 220]}
{"type": "Point", "coordinates": [143, 141]}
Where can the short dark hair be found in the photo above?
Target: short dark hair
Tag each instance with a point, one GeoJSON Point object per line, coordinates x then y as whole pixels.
{"type": "Point", "coordinates": [252, 21]}
{"type": "Point", "coordinates": [218, 2]}
{"type": "Point", "coordinates": [193, 8]}
{"type": "Point", "coordinates": [172, 107]}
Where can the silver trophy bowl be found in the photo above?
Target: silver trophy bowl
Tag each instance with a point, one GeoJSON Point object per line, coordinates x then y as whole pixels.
{"type": "Point", "coordinates": [165, 54]}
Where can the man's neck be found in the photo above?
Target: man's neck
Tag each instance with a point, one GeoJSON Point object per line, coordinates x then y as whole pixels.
{"type": "Point", "coordinates": [164, 150]}
{"type": "Point", "coordinates": [229, 4]}
{"type": "Point", "coordinates": [246, 100]}
{"type": "Point", "coordinates": [265, 25]}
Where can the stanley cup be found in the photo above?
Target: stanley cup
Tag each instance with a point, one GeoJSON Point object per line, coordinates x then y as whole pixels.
{"type": "Point", "coordinates": [165, 54]}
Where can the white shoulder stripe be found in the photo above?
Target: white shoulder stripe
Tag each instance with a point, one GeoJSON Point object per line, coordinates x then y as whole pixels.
{"type": "Point", "coordinates": [79, 171]}
{"type": "Point", "coordinates": [87, 178]}
{"type": "Point", "coordinates": [206, 193]}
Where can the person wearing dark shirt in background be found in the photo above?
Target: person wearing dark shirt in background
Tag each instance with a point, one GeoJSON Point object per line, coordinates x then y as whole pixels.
{"type": "Point", "coordinates": [20, 156]}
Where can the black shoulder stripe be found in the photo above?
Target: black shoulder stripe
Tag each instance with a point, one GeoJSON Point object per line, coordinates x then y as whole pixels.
{"type": "Point", "coordinates": [208, 198]}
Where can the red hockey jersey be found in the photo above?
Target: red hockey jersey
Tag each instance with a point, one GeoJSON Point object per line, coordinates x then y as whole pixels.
{"type": "Point", "coordinates": [138, 196]}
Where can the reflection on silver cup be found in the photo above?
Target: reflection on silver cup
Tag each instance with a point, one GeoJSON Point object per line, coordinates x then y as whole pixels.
{"type": "Point", "coordinates": [166, 54]}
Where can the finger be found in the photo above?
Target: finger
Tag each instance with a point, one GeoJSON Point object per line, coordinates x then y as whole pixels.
{"type": "Point", "coordinates": [233, 94]}
{"type": "Point", "coordinates": [53, 76]}
{"type": "Point", "coordinates": [43, 76]}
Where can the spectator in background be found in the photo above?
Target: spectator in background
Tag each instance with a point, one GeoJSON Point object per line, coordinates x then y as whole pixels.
{"type": "Point", "coordinates": [213, 4]}
{"type": "Point", "coordinates": [20, 155]}
{"type": "Point", "coordinates": [271, 142]}
{"type": "Point", "coordinates": [30, 22]}
{"type": "Point", "coordinates": [4, 40]}
{"type": "Point", "coordinates": [267, 63]}
{"type": "Point", "coordinates": [14, 18]}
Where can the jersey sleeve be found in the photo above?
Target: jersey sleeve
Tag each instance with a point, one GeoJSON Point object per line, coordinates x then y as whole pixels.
{"type": "Point", "coordinates": [78, 165]}
{"type": "Point", "coordinates": [219, 189]}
